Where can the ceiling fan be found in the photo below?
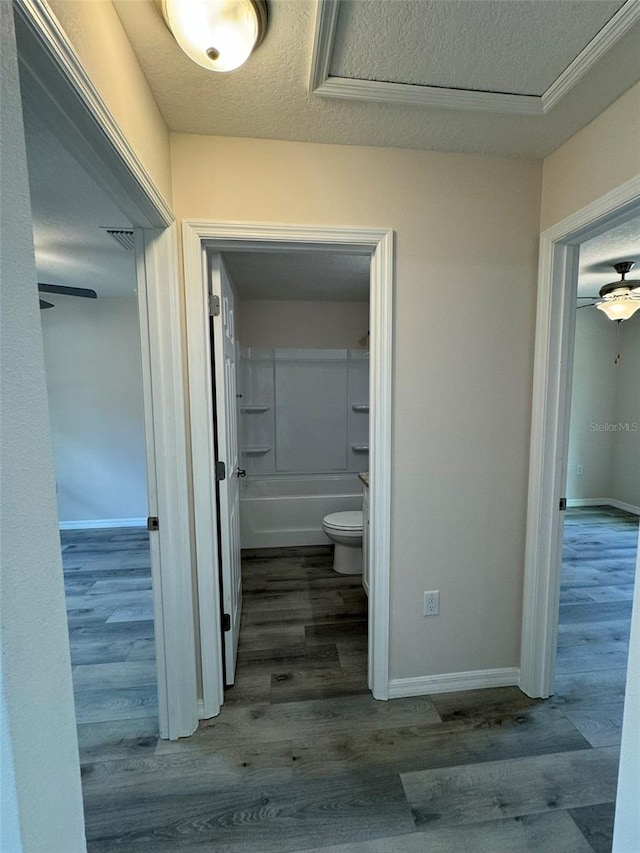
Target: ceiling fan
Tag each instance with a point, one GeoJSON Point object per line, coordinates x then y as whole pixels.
{"type": "Point", "coordinates": [619, 300]}
{"type": "Point", "coordinates": [84, 292]}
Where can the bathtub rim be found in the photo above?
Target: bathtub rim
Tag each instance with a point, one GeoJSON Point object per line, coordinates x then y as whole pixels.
{"type": "Point", "coordinates": [351, 479]}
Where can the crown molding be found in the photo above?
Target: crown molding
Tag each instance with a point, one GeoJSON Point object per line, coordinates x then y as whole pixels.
{"type": "Point", "coordinates": [429, 96]}
{"type": "Point", "coordinates": [323, 84]}
{"type": "Point", "coordinates": [326, 22]}
{"type": "Point", "coordinates": [603, 41]}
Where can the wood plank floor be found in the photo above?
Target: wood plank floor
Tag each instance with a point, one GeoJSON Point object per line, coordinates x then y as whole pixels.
{"type": "Point", "coordinates": [302, 758]}
{"type": "Point", "coordinates": [107, 575]}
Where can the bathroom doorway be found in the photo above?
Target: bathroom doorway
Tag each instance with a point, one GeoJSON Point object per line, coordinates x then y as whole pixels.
{"type": "Point", "coordinates": [242, 245]}
{"type": "Point", "coordinates": [290, 349]}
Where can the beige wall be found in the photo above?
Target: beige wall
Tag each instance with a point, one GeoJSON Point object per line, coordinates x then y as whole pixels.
{"type": "Point", "coordinates": [275, 323]}
{"type": "Point", "coordinates": [467, 238]}
{"type": "Point", "coordinates": [600, 157]}
{"type": "Point", "coordinates": [94, 29]}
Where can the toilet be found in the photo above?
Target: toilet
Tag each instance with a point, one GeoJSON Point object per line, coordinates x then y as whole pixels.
{"type": "Point", "coordinates": [345, 530]}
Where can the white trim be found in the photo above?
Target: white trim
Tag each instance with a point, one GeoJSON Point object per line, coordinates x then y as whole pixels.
{"type": "Point", "coordinates": [380, 416]}
{"type": "Point", "coordinates": [453, 681]}
{"type": "Point", "coordinates": [598, 216]}
{"type": "Point", "coordinates": [616, 504]}
{"type": "Point", "coordinates": [551, 382]}
{"type": "Point", "coordinates": [322, 83]}
{"type": "Point", "coordinates": [429, 96]}
{"type": "Point", "coordinates": [53, 41]}
{"type": "Point", "coordinates": [217, 235]}
{"type": "Point", "coordinates": [325, 30]}
{"type": "Point", "coordinates": [203, 462]}
{"type": "Point", "coordinates": [603, 41]}
{"type": "Point", "coordinates": [152, 484]}
{"type": "Point", "coordinates": [99, 523]}
{"type": "Point", "coordinates": [173, 585]}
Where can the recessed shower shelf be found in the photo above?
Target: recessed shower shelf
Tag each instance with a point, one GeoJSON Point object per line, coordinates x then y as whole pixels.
{"type": "Point", "coordinates": [255, 451]}
{"type": "Point", "coordinates": [253, 410]}
{"type": "Point", "coordinates": [360, 448]}
{"type": "Point", "coordinates": [360, 407]}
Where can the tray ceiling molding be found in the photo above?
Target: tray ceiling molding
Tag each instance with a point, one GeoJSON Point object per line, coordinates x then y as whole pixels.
{"type": "Point", "coordinates": [602, 42]}
{"type": "Point", "coordinates": [321, 83]}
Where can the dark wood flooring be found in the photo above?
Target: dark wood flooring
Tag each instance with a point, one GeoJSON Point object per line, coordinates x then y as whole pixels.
{"type": "Point", "coordinates": [302, 758]}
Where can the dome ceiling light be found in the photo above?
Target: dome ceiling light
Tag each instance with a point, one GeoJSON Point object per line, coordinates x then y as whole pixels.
{"type": "Point", "coordinates": [218, 35]}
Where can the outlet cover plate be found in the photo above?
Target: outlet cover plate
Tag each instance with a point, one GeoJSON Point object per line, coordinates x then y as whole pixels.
{"type": "Point", "coordinates": [431, 605]}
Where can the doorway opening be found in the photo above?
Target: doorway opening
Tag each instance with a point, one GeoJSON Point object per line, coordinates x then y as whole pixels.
{"type": "Point", "coordinates": [57, 91]}
{"type": "Point", "coordinates": [286, 455]}
{"type": "Point", "coordinates": [92, 347]}
{"type": "Point", "coordinates": [555, 334]}
{"type": "Point", "coordinates": [290, 350]}
{"type": "Point", "coordinates": [600, 530]}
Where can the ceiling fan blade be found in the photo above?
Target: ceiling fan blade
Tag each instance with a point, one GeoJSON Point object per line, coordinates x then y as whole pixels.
{"type": "Point", "coordinates": [44, 304]}
{"type": "Point", "coordinates": [67, 291]}
{"type": "Point", "coordinates": [590, 305]}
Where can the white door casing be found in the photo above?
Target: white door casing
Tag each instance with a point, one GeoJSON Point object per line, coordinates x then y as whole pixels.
{"type": "Point", "coordinates": [219, 236]}
{"type": "Point", "coordinates": [555, 325]}
{"type": "Point", "coordinates": [226, 408]}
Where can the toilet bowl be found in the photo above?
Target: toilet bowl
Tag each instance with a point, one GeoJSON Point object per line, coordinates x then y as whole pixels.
{"type": "Point", "coordinates": [345, 531]}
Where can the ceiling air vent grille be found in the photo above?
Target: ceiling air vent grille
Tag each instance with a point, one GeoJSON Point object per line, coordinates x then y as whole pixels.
{"type": "Point", "coordinates": [122, 236]}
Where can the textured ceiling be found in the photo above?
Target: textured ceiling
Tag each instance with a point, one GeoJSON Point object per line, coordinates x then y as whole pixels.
{"type": "Point", "coordinates": [493, 45]}
{"type": "Point", "coordinates": [268, 97]}
{"type": "Point", "coordinates": [305, 276]}
{"type": "Point", "coordinates": [598, 255]}
{"type": "Point", "coordinates": [68, 211]}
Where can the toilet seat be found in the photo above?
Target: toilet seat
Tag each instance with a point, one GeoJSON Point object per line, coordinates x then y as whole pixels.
{"type": "Point", "coordinates": [344, 521]}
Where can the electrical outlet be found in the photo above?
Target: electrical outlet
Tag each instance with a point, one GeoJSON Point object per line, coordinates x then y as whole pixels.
{"type": "Point", "coordinates": [431, 603]}
{"type": "Point", "coordinates": [580, 470]}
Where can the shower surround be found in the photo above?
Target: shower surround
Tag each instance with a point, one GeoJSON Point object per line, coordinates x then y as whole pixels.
{"type": "Point", "coordinates": [304, 437]}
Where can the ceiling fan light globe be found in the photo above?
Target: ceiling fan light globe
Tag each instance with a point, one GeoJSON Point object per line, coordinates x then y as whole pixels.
{"type": "Point", "coordinates": [619, 309]}
{"type": "Point", "coordinates": [218, 35]}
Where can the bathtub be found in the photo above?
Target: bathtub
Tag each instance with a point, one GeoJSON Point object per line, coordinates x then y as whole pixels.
{"type": "Point", "coordinates": [277, 512]}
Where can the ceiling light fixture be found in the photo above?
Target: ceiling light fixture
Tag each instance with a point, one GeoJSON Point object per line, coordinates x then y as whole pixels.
{"type": "Point", "coordinates": [219, 35]}
{"type": "Point", "coordinates": [620, 300]}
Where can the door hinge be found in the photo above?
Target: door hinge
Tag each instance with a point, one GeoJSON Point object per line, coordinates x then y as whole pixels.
{"type": "Point", "coordinates": [153, 523]}
{"type": "Point", "coordinates": [226, 622]}
{"type": "Point", "coordinates": [221, 471]}
{"type": "Point", "coordinates": [563, 504]}
{"type": "Point", "coordinates": [214, 305]}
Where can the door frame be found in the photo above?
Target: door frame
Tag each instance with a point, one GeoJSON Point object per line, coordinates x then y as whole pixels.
{"type": "Point", "coordinates": [198, 236]}
{"type": "Point", "coordinates": [554, 343]}
{"type": "Point", "coordinates": [52, 74]}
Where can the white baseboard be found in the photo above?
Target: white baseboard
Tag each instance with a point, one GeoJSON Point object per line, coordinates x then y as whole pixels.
{"type": "Point", "coordinates": [95, 523]}
{"type": "Point", "coordinates": [451, 682]}
{"type": "Point", "coordinates": [578, 502]}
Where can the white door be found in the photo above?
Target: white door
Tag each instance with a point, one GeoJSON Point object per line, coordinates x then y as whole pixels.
{"type": "Point", "coordinates": [224, 357]}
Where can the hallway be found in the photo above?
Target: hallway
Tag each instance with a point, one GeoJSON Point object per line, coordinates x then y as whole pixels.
{"type": "Point", "coordinates": [303, 758]}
